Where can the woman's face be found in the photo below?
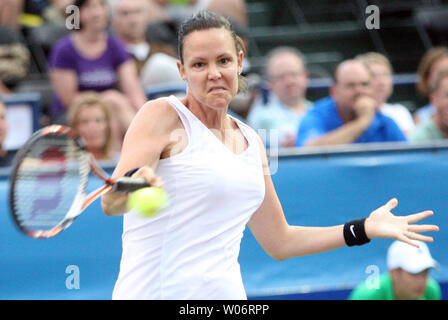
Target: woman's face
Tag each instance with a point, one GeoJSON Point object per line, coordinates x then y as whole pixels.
{"type": "Point", "coordinates": [381, 81]}
{"type": "Point", "coordinates": [93, 15]}
{"type": "Point", "coordinates": [211, 66]}
{"type": "Point", "coordinates": [439, 99]}
{"type": "Point", "coordinates": [441, 64]}
{"type": "Point", "coordinates": [92, 126]}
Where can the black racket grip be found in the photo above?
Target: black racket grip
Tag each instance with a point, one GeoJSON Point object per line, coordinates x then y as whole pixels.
{"type": "Point", "coordinates": [128, 184]}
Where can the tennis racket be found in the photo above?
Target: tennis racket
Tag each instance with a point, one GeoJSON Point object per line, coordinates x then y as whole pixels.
{"type": "Point", "coordinates": [49, 180]}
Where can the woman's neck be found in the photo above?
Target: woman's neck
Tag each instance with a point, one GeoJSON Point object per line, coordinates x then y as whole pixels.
{"type": "Point", "coordinates": [91, 36]}
{"type": "Point", "coordinates": [211, 118]}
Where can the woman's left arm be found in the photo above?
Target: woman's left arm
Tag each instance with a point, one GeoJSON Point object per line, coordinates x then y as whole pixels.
{"type": "Point", "coordinates": [130, 85]}
{"type": "Point", "coordinates": [282, 241]}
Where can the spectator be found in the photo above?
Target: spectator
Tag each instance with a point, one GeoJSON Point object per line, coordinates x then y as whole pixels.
{"type": "Point", "coordinates": [235, 10]}
{"type": "Point", "coordinates": [407, 278]}
{"type": "Point", "coordinates": [91, 59]}
{"type": "Point", "coordinates": [180, 9]}
{"type": "Point", "coordinates": [435, 59]}
{"type": "Point", "coordinates": [174, 10]}
{"type": "Point", "coordinates": [6, 156]}
{"type": "Point", "coordinates": [287, 80]}
{"type": "Point", "coordinates": [156, 62]}
{"type": "Point", "coordinates": [55, 13]}
{"type": "Point", "coordinates": [436, 126]}
{"type": "Point", "coordinates": [10, 12]}
{"type": "Point", "coordinates": [382, 83]}
{"type": "Point", "coordinates": [90, 117]}
{"type": "Point", "coordinates": [4, 89]}
{"type": "Point", "coordinates": [350, 114]}
{"type": "Point", "coordinates": [14, 59]}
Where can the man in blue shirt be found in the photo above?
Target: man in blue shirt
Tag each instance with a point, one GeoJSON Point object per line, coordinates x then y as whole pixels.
{"type": "Point", "coordinates": [350, 114]}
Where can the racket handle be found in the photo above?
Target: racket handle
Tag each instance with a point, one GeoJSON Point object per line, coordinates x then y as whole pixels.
{"type": "Point", "coordinates": [128, 184]}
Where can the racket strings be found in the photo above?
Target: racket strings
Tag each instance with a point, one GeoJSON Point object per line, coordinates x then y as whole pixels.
{"type": "Point", "coordinates": [50, 183]}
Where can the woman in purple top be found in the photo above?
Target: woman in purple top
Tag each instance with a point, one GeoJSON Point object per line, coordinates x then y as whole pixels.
{"type": "Point", "coordinates": [91, 59]}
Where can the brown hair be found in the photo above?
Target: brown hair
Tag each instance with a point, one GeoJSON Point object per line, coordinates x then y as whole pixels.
{"type": "Point", "coordinates": [435, 83]}
{"type": "Point", "coordinates": [432, 56]}
{"type": "Point", "coordinates": [91, 98]}
{"type": "Point", "coordinates": [204, 20]}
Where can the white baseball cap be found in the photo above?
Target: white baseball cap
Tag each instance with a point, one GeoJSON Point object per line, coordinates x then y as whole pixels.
{"type": "Point", "coordinates": [409, 258]}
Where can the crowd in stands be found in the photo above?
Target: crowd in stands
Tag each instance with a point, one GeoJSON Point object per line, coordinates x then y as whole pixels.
{"type": "Point", "coordinates": [99, 73]}
{"type": "Point", "coordinates": [287, 80]}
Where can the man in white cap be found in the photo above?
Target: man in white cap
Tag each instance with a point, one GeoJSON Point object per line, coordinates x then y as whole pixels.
{"type": "Point", "coordinates": [408, 276]}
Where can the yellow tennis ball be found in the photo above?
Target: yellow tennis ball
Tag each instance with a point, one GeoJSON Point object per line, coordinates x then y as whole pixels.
{"type": "Point", "coordinates": [148, 201]}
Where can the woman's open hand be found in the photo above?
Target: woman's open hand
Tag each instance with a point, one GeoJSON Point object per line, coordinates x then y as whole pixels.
{"type": "Point", "coordinates": [383, 224]}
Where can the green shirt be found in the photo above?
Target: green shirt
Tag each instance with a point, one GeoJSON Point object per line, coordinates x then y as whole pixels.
{"type": "Point", "coordinates": [386, 292]}
{"type": "Point", "coordinates": [427, 131]}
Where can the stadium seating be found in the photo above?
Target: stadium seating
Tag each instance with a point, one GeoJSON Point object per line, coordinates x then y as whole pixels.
{"type": "Point", "coordinates": [432, 25]}
{"type": "Point", "coordinates": [329, 31]}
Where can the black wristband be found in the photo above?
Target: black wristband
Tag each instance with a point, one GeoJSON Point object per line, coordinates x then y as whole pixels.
{"type": "Point", "coordinates": [355, 233]}
{"type": "Point", "coordinates": [130, 172]}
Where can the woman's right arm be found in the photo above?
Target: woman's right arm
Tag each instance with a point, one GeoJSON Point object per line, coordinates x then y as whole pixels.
{"type": "Point", "coordinates": [65, 85]}
{"type": "Point", "coordinates": [147, 137]}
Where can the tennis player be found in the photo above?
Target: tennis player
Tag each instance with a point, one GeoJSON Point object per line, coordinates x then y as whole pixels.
{"type": "Point", "coordinates": [215, 170]}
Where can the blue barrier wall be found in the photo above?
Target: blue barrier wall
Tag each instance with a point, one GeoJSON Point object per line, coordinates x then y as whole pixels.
{"type": "Point", "coordinates": [316, 190]}
{"type": "Point", "coordinates": [332, 188]}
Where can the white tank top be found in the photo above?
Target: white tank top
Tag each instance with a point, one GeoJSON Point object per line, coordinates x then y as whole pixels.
{"type": "Point", "coordinates": [190, 250]}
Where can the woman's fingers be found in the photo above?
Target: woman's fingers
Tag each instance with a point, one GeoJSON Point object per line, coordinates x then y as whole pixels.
{"type": "Point", "coordinates": [148, 174]}
{"type": "Point", "coordinates": [405, 239]}
{"type": "Point", "coordinates": [391, 204]}
{"type": "Point", "coordinates": [423, 228]}
{"type": "Point", "coordinates": [414, 230]}
{"type": "Point", "coordinates": [158, 183]}
{"type": "Point", "coordinates": [417, 236]}
{"type": "Point", "coordinates": [384, 224]}
{"type": "Point", "coordinates": [408, 238]}
{"type": "Point", "coordinates": [413, 218]}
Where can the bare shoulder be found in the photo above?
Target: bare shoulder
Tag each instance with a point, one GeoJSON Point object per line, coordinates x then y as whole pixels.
{"type": "Point", "coordinates": [157, 114]}
{"type": "Point", "coordinates": [156, 119]}
{"type": "Point", "coordinates": [148, 135]}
